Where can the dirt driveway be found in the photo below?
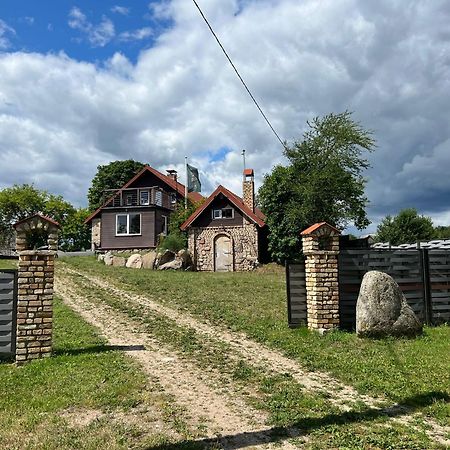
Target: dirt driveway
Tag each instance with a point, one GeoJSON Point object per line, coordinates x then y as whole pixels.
{"type": "Point", "coordinates": [221, 411]}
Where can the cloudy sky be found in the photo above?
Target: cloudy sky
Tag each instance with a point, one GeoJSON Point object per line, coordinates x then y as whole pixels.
{"type": "Point", "coordinates": [83, 83]}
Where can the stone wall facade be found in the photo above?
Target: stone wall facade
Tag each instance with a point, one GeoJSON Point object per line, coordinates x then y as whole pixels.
{"type": "Point", "coordinates": [95, 233]}
{"type": "Point", "coordinates": [34, 305]}
{"type": "Point", "coordinates": [244, 243]}
{"type": "Point", "coordinates": [321, 248]}
{"type": "Point", "coordinates": [248, 193]}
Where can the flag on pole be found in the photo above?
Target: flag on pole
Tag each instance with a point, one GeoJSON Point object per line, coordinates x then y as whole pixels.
{"type": "Point", "coordinates": [193, 179]}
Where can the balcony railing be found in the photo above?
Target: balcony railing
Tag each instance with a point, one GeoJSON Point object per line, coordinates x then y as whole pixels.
{"type": "Point", "coordinates": [146, 196]}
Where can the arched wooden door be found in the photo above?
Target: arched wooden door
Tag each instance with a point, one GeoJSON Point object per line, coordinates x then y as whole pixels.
{"type": "Point", "coordinates": [223, 254]}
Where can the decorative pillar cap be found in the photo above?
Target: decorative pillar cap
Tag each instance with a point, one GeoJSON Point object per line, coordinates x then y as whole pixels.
{"type": "Point", "coordinates": [32, 222]}
{"type": "Point", "coordinates": [321, 228]}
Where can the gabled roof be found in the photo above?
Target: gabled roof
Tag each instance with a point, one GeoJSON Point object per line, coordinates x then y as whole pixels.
{"type": "Point", "coordinates": [316, 226]}
{"type": "Point", "coordinates": [37, 216]}
{"type": "Point", "coordinates": [257, 217]}
{"type": "Point", "coordinates": [175, 185]}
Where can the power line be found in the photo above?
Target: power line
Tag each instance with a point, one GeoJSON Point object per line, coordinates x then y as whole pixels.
{"type": "Point", "coordinates": [238, 74]}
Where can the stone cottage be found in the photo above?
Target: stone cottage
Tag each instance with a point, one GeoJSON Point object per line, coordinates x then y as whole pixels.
{"type": "Point", "coordinates": [228, 233]}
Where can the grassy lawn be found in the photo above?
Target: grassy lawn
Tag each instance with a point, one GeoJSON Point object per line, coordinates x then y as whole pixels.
{"type": "Point", "coordinates": [8, 263]}
{"type": "Point", "coordinates": [412, 372]}
{"type": "Point", "coordinates": [82, 397]}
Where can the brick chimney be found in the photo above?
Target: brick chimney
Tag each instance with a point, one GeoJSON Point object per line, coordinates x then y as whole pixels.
{"type": "Point", "coordinates": [248, 189]}
{"type": "Point", "coordinates": [171, 173]}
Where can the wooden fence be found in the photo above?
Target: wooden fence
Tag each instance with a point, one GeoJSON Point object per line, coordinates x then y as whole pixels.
{"type": "Point", "coordinates": [423, 275]}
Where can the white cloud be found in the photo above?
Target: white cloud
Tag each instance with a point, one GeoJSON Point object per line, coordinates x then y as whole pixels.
{"type": "Point", "coordinates": [136, 35]}
{"type": "Point", "coordinates": [98, 35]}
{"type": "Point", "coordinates": [5, 32]}
{"type": "Point", "coordinates": [120, 10]}
{"type": "Point", "coordinates": [60, 118]}
{"type": "Point", "coordinates": [27, 19]}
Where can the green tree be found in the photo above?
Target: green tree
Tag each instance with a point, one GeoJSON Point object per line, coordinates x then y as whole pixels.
{"type": "Point", "coordinates": [21, 201]}
{"type": "Point", "coordinates": [111, 176]}
{"type": "Point", "coordinates": [441, 232]}
{"type": "Point", "coordinates": [74, 234]}
{"type": "Point", "coordinates": [405, 228]}
{"type": "Point", "coordinates": [322, 182]}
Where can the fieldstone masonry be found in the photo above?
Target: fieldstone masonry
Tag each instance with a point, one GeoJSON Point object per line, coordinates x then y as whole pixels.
{"type": "Point", "coordinates": [244, 241]}
{"type": "Point", "coordinates": [35, 291]}
{"type": "Point", "coordinates": [96, 233]}
{"type": "Point", "coordinates": [321, 248]}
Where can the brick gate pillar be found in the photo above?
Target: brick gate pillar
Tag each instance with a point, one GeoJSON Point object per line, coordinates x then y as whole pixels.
{"type": "Point", "coordinates": [321, 248]}
{"type": "Point", "coordinates": [35, 288]}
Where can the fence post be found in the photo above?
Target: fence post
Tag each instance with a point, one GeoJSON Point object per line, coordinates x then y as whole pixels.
{"type": "Point", "coordinates": [321, 248]}
{"type": "Point", "coordinates": [427, 301]}
{"type": "Point", "coordinates": [35, 290]}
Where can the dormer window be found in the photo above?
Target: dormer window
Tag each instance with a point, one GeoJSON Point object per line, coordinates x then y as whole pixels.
{"type": "Point", "coordinates": [223, 213]}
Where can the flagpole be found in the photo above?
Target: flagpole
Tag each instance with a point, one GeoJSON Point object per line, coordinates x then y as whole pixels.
{"type": "Point", "coordinates": [186, 186]}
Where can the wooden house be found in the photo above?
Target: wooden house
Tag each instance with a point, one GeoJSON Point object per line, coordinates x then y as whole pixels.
{"type": "Point", "coordinates": [228, 233]}
{"type": "Point", "coordinates": [133, 216]}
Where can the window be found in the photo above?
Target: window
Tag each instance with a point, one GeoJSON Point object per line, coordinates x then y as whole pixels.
{"type": "Point", "coordinates": [145, 198]}
{"type": "Point", "coordinates": [165, 229]}
{"type": "Point", "coordinates": [128, 199]}
{"type": "Point", "coordinates": [128, 224]}
{"type": "Point", "coordinates": [224, 213]}
{"type": "Point", "coordinates": [173, 198]}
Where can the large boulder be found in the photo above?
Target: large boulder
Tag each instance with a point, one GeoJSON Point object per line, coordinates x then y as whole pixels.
{"type": "Point", "coordinates": [164, 257]}
{"type": "Point", "coordinates": [118, 261]}
{"type": "Point", "coordinates": [382, 310]}
{"type": "Point", "coordinates": [134, 261]}
{"type": "Point", "coordinates": [148, 260]}
{"type": "Point", "coordinates": [176, 264]}
{"type": "Point", "coordinates": [108, 259]}
{"type": "Point", "coordinates": [185, 258]}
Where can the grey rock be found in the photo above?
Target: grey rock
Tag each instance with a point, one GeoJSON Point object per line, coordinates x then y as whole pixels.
{"type": "Point", "coordinates": [185, 257]}
{"type": "Point", "coordinates": [108, 259]}
{"type": "Point", "coordinates": [118, 261]}
{"type": "Point", "coordinates": [100, 257]}
{"type": "Point", "coordinates": [134, 261]}
{"type": "Point", "coordinates": [148, 260]}
{"type": "Point", "coordinates": [163, 258]}
{"type": "Point", "coordinates": [176, 264]}
{"type": "Point", "coordinates": [382, 310]}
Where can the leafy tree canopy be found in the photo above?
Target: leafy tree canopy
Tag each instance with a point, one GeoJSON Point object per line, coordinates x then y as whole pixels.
{"type": "Point", "coordinates": [322, 182]}
{"type": "Point", "coordinates": [111, 176]}
{"type": "Point", "coordinates": [405, 228]}
{"type": "Point", "coordinates": [21, 201]}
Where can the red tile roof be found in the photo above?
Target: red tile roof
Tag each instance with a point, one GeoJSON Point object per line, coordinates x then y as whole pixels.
{"type": "Point", "coordinates": [178, 187]}
{"type": "Point", "coordinates": [248, 172]}
{"type": "Point", "coordinates": [258, 216]}
{"type": "Point", "coordinates": [314, 227]}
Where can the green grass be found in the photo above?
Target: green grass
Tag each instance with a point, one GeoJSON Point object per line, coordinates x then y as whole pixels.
{"type": "Point", "coordinates": [8, 263]}
{"type": "Point", "coordinates": [84, 376]}
{"type": "Point", "coordinates": [413, 372]}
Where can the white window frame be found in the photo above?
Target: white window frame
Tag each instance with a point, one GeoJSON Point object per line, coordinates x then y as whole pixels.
{"type": "Point", "coordinates": [148, 198]}
{"type": "Point", "coordinates": [128, 199]}
{"type": "Point", "coordinates": [165, 225]}
{"type": "Point", "coordinates": [220, 213]}
{"type": "Point", "coordinates": [127, 215]}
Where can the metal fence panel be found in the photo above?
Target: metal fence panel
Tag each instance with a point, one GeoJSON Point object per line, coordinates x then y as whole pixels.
{"type": "Point", "coordinates": [8, 311]}
{"type": "Point", "coordinates": [296, 293]}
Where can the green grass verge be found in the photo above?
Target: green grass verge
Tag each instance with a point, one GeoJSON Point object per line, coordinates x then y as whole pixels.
{"type": "Point", "coordinates": [8, 263]}
{"type": "Point", "coordinates": [42, 404]}
{"type": "Point", "coordinates": [413, 372]}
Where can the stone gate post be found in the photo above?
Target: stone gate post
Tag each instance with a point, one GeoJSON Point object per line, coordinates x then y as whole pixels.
{"type": "Point", "coordinates": [35, 289]}
{"type": "Point", "coordinates": [321, 248]}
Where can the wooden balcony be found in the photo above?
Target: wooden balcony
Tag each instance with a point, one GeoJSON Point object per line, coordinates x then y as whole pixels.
{"type": "Point", "coordinates": [132, 197]}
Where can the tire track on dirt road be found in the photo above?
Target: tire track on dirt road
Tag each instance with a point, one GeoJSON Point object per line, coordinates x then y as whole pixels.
{"type": "Point", "coordinates": [228, 420]}
{"type": "Point", "coordinates": [340, 395]}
